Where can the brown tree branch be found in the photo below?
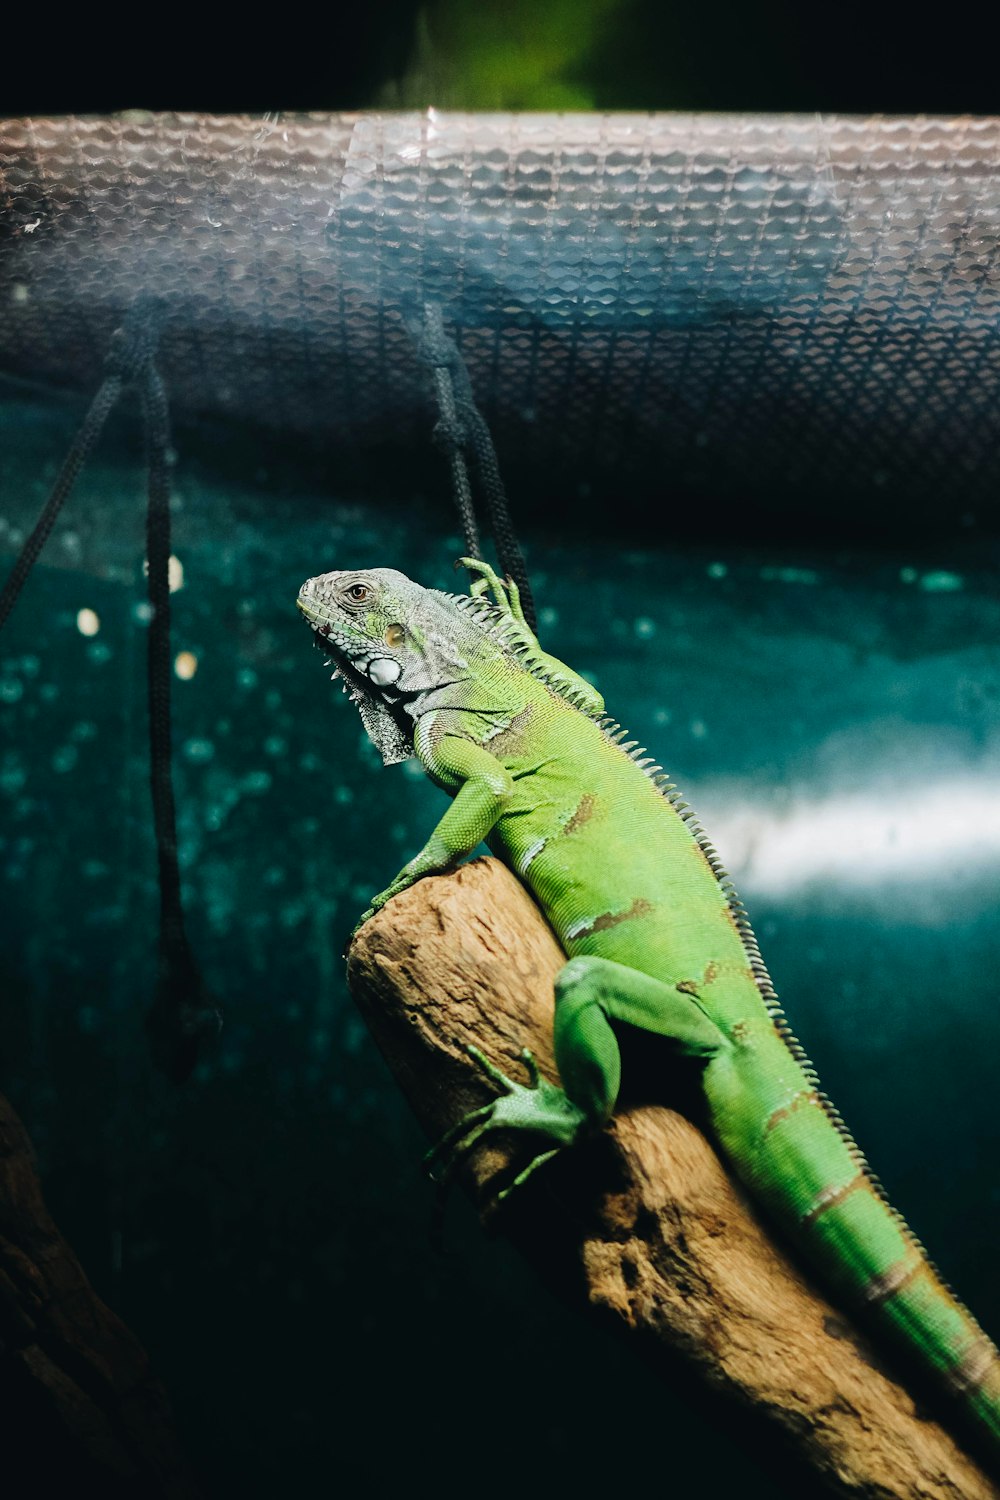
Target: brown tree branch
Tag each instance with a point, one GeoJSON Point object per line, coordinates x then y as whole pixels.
{"type": "Point", "coordinates": [80, 1410]}
{"type": "Point", "coordinates": [643, 1224]}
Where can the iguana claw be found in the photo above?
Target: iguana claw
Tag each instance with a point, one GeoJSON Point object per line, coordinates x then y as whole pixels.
{"type": "Point", "coordinates": [538, 1106]}
{"type": "Point", "coordinates": [506, 594]}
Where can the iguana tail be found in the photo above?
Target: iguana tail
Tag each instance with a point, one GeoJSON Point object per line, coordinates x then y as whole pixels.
{"type": "Point", "coordinates": [813, 1177]}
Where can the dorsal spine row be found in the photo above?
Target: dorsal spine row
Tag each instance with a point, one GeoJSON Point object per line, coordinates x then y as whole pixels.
{"type": "Point", "coordinates": [522, 648]}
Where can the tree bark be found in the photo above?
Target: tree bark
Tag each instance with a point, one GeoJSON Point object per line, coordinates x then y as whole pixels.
{"type": "Point", "coordinates": [80, 1410]}
{"type": "Point", "coordinates": [643, 1224]}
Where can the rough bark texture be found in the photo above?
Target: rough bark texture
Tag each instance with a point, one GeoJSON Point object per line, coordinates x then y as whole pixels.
{"type": "Point", "coordinates": [644, 1223]}
{"type": "Point", "coordinates": [80, 1411]}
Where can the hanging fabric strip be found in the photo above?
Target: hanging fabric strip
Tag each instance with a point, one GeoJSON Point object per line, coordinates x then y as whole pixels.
{"type": "Point", "coordinates": [462, 429]}
{"type": "Point", "coordinates": [90, 431]}
{"type": "Point", "coordinates": [181, 1012]}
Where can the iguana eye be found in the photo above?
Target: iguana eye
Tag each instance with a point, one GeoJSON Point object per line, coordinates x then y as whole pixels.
{"type": "Point", "coordinates": [358, 592]}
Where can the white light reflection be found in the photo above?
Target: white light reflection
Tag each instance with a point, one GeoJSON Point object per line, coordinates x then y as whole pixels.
{"type": "Point", "coordinates": [175, 572]}
{"type": "Point", "coordinates": [902, 834]}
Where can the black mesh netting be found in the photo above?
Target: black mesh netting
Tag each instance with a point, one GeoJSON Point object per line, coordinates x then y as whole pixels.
{"type": "Point", "coordinates": [707, 305]}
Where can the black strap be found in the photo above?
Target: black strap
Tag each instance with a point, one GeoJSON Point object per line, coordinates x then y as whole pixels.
{"type": "Point", "coordinates": [450, 434]}
{"type": "Point", "coordinates": [128, 352]}
{"type": "Point", "coordinates": [462, 429]}
{"type": "Point", "coordinates": [181, 1012]}
{"type": "Point", "coordinates": [84, 441]}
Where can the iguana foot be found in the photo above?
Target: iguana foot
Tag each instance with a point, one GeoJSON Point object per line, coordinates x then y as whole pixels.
{"type": "Point", "coordinates": [539, 1106]}
{"type": "Point", "coordinates": [377, 904]}
{"type": "Point", "coordinates": [506, 594]}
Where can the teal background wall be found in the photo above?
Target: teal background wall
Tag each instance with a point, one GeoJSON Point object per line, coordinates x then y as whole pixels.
{"type": "Point", "coordinates": [833, 715]}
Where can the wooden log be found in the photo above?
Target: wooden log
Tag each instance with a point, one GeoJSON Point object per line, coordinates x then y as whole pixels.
{"type": "Point", "coordinates": [80, 1410]}
{"type": "Point", "coordinates": [643, 1224]}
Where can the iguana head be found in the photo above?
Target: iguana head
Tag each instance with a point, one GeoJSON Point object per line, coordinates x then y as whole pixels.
{"type": "Point", "coordinates": [392, 642]}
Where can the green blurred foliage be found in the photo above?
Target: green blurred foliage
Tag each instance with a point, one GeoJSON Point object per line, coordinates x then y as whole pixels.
{"type": "Point", "coordinates": [504, 54]}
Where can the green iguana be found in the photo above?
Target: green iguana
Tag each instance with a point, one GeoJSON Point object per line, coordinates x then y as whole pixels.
{"type": "Point", "coordinates": [656, 936]}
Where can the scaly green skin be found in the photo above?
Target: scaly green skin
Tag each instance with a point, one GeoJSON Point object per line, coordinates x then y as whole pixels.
{"type": "Point", "coordinates": [655, 935]}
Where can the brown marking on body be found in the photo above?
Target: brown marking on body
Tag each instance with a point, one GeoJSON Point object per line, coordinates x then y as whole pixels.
{"type": "Point", "coordinates": [722, 968]}
{"type": "Point", "coordinates": [973, 1368]}
{"type": "Point", "coordinates": [804, 1096]}
{"type": "Point", "coordinates": [583, 814]}
{"type": "Point", "coordinates": [726, 913]}
{"type": "Point", "coordinates": [830, 1197]}
{"type": "Point", "coordinates": [740, 1031]}
{"type": "Point", "coordinates": [521, 718]}
{"type": "Point", "coordinates": [712, 971]}
{"type": "Point", "coordinates": [893, 1279]}
{"type": "Point", "coordinates": [507, 739]}
{"type": "Point", "coordinates": [640, 908]}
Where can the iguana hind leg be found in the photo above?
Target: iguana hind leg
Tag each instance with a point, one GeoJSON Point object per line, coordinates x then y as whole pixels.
{"type": "Point", "coordinates": [590, 994]}
{"type": "Point", "coordinates": [507, 597]}
{"type": "Point", "coordinates": [538, 1106]}
{"type": "Point", "coordinates": [593, 992]}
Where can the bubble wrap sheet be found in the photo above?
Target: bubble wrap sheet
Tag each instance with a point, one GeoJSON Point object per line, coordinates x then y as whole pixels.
{"type": "Point", "coordinates": [681, 304]}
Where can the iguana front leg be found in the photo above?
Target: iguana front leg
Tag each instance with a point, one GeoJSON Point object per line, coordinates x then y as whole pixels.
{"type": "Point", "coordinates": [484, 785]}
{"type": "Point", "coordinates": [590, 993]}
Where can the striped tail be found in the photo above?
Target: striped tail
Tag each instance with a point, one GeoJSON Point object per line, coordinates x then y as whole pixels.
{"type": "Point", "coordinates": [813, 1177]}
{"type": "Point", "coordinates": [805, 1167]}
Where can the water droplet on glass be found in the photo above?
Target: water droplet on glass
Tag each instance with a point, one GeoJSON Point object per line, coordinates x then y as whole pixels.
{"type": "Point", "coordinates": [198, 751]}
{"type": "Point", "coordinates": [941, 583]}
